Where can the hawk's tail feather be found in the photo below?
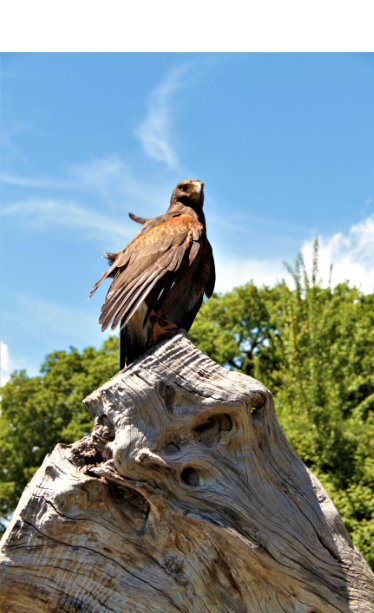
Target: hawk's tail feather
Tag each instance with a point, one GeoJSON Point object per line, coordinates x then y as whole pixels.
{"type": "Point", "coordinates": [131, 347]}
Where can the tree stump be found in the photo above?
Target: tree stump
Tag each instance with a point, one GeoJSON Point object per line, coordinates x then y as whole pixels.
{"type": "Point", "coordinates": [186, 497]}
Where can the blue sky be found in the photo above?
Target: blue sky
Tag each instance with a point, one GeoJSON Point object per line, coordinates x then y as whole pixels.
{"type": "Point", "coordinates": [284, 144]}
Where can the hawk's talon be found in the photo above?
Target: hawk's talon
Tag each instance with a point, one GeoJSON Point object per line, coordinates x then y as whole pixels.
{"type": "Point", "coordinates": [158, 330]}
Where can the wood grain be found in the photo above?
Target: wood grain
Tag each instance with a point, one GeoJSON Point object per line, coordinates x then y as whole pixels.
{"type": "Point", "coordinates": [186, 497]}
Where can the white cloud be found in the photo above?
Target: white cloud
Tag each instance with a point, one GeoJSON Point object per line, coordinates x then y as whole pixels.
{"type": "Point", "coordinates": [351, 255]}
{"type": "Point", "coordinates": [155, 130]}
{"type": "Point", "coordinates": [43, 214]}
{"type": "Point", "coordinates": [232, 273]}
{"type": "Point", "coordinates": [6, 363]}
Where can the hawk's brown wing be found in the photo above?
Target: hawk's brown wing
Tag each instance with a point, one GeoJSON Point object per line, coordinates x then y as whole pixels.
{"type": "Point", "coordinates": [147, 258]}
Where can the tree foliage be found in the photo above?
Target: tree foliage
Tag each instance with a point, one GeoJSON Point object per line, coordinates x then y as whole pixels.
{"type": "Point", "coordinates": [312, 346]}
{"type": "Point", "coordinates": [39, 412]}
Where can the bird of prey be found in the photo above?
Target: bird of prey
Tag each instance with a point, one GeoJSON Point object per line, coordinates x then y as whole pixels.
{"type": "Point", "coordinates": [160, 277]}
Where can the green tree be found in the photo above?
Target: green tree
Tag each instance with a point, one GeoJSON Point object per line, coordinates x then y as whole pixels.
{"type": "Point", "coordinates": [314, 348]}
{"type": "Point", "coordinates": [39, 412]}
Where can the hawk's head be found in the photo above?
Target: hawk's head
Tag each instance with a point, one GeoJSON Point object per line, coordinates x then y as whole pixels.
{"type": "Point", "coordinates": [189, 192]}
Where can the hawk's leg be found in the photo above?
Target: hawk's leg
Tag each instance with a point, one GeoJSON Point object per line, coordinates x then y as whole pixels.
{"type": "Point", "coordinates": [160, 326]}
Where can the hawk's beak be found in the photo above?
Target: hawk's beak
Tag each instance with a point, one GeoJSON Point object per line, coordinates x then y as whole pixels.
{"type": "Point", "coordinates": [195, 187]}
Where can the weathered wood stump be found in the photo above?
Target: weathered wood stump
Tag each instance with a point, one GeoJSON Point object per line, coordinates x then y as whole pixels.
{"type": "Point", "coordinates": [186, 497]}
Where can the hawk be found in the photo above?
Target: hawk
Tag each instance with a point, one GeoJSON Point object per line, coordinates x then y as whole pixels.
{"type": "Point", "coordinates": [160, 277]}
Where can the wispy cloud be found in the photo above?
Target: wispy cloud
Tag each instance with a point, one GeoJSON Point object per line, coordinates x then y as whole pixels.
{"type": "Point", "coordinates": [43, 214]}
{"type": "Point", "coordinates": [118, 185]}
{"type": "Point", "coordinates": [100, 174]}
{"type": "Point", "coordinates": [6, 363]}
{"type": "Point", "coordinates": [351, 255]}
{"type": "Point", "coordinates": [47, 317]}
{"type": "Point", "coordinates": [9, 149]}
{"type": "Point", "coordinates": [155, 131]}
{"type": "Point", "coordinates": [37, 182]}
{"type": "Point", "coordinates": [45, 325]}
{"type": "Point", "coordinates": [110, 177]}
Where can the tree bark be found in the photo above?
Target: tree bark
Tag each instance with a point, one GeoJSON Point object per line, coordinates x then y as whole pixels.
{"type": "Point", "coordinates": [186, 497]}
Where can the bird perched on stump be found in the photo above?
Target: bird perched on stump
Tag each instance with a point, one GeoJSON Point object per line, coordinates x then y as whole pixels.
{"type": "Point", "coordinates": [160, 277]}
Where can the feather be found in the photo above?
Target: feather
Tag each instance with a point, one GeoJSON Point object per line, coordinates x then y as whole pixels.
{"type": "Point", "coordinates": [209, 288]}
{"type": "Point", "coordinates": [116, 305]}
{"type": "Point", "coordinates": [163, 292]}
{"type": "Point", "coordinates": [133, 309]}
{"type": "Point", "coordinates": [193, 252]}
{"type": "Point", "coordinates": [110, 256]}
{"type": "Point", "coordinates": [142, 220]}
